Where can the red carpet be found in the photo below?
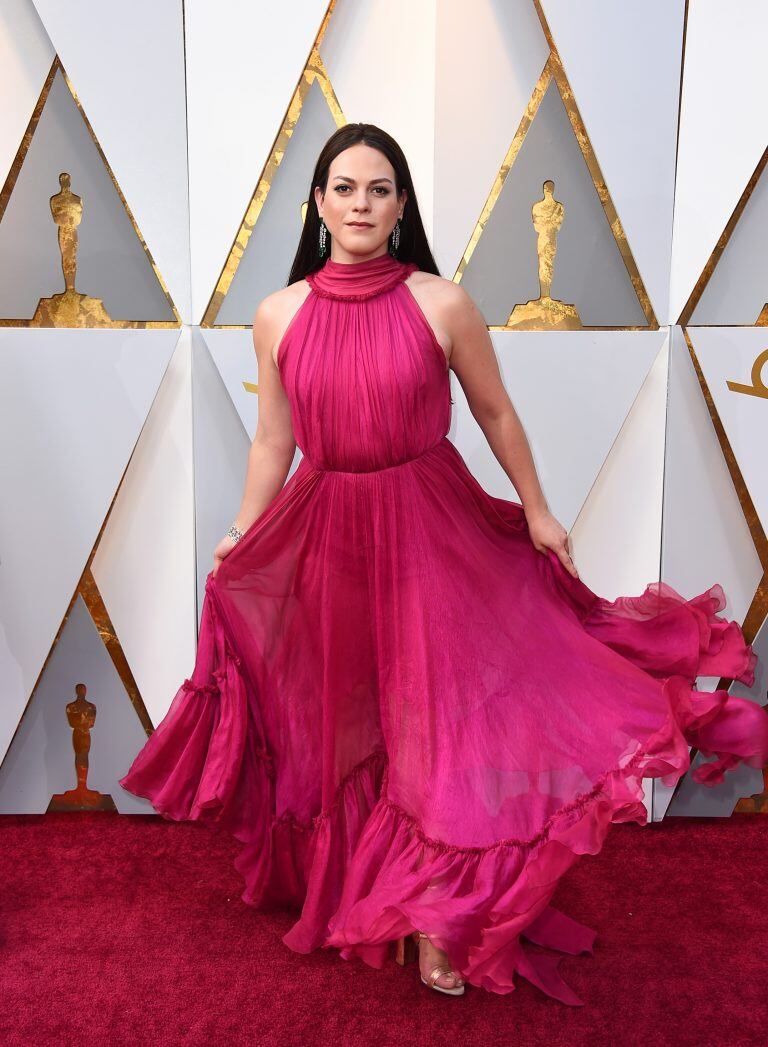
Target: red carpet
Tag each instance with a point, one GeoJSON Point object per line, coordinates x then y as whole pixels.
{"type": "Point", "coordinates": [130, 930]}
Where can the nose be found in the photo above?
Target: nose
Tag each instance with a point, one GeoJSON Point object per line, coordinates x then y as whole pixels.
{"type": "Point", "coordinates": [361, 201]}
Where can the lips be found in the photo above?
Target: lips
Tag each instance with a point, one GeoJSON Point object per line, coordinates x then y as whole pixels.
{"type": "Point", "coordinates": [361, 225]}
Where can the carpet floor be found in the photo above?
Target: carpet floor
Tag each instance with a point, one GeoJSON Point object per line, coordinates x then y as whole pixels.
{"type": "Point", "coordinates": [130, 930]}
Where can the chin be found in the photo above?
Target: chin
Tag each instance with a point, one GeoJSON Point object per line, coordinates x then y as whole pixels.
{"type": "Point", "coordinates": [361, 244]}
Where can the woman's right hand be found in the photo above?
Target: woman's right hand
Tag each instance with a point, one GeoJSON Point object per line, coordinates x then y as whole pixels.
{"type": "Point", "coordinates": [222, 551]}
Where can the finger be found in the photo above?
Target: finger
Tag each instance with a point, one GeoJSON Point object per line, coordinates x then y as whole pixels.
{"type": "Point", "coordinates": [567, 561]}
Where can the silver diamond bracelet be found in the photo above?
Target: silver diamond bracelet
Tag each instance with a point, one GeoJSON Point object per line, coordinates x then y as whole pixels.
{"type": "Point", "coordinates": [234, 534]}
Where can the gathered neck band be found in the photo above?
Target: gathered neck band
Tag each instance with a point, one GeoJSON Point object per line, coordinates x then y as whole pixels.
{"type": "Point", "coordinates": [355, 281]}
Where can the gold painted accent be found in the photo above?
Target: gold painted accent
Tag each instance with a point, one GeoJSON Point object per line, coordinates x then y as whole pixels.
{"type": "Point", "coordinates": [553, 69]}
{"type": "Point", "coordinates": [251, 387]}
{"type": "Point", "coordinates": [526, 120]}
{"type": "Point", "coordinates": [545, 313]}
{"type": "Point", "coordinates": [758, 386]}
{"type": "Point", "coordinates": [758, 608]}
{"type": "Point", "coordinates": [98, 611]}
{"type": "Point", "coordinates": [720, 246]}
{"type": "Point", "coordinates": [314, 71]}
{"type": "Point", "coordinates": [69, 309]}
{"type": "Point", "coordinates": [66, 309]}
{"type": "Point", "coordinates": [81, 715]}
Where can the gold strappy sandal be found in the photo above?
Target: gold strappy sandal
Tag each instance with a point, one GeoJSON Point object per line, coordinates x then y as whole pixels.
{"type": "Point", "coordinates": [437, 970]}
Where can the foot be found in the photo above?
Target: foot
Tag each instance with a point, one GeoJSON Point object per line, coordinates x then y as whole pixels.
{"type": "Point", "coordinates": [429, 955]}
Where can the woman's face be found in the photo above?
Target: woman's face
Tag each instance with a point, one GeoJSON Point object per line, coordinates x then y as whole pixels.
{"type": "Point", "coordinates": [360, 189]}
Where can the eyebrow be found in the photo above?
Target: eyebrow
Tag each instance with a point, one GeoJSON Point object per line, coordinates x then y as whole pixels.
{"type": "Point", "coordinates": [347, 179]}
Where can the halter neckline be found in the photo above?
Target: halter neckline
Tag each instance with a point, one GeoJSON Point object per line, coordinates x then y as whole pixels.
{"type": "Point", "coordinates": [355, 281]}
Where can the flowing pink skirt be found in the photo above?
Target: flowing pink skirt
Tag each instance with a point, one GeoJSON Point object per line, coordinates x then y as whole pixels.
{"type": "Point", "coordinates": [411, 718]}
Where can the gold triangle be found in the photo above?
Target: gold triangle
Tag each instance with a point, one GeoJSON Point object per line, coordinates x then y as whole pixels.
{"type": "Point", "coordinates": [722, 242]}
{"type": "Point", "coordinates": [71, 309]}
{"type": "Point", "coordinates": [545, 313]}
{"type": "Point", "coordinates": [314, 71]}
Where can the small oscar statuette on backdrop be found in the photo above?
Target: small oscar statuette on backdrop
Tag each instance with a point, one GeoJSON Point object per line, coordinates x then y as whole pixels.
{"type": "Point", "coordinates": [70, 308]}
{"type": "Point", "coordinates": [81, 715]}
{"type": "Point", "coordinates": [545, 313]}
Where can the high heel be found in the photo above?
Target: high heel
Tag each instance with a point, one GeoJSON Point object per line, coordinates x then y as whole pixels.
{"type": "Point", "coordinates": [438, 970]}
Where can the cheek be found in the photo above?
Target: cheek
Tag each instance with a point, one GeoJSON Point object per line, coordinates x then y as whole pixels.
{"type": "Point", "coordinates": [385, 208]}
{"type": "Point", "coordinates": [336, 203]}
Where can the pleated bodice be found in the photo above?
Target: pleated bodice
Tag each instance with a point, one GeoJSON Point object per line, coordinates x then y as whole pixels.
{"type": "Point", "coordinates": [366, 377]}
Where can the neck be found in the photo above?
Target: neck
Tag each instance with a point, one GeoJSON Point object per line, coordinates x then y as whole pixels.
{"type": "Point", "coordinates": [344, 258]}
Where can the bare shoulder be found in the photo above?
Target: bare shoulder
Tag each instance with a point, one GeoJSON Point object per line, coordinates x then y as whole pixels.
{"type": "Point", "coordinates": [445, 294]}
{"type": "Point", "coordinates": [275, 312]}
{"type": "Point", "coordinates": [443, 302]}
{"type": "Point", "coordinates": [273, 306]}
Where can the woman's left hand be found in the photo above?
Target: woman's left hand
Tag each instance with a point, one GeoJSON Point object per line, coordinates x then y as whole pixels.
{"type": "Point", "coordinates": [548, 533]}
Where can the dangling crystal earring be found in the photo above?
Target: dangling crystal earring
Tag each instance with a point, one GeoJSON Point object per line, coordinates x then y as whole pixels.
{"type": "Point", "coordinates": [321, 240]}
{"type": "Point", "coordinates": [395, 238]}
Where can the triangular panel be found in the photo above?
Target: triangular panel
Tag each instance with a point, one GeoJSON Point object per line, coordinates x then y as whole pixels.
{"type": "Point", "coordinates": [548, 251]}
{"type": "Point", "coordinates": [41, 760]}
{"type": "Point", "coordinates": [144, 564]}
{"type": "Point", "coordinates": [583, 385]}
{"type": "Point", "coordinates": [73, 403]}
{"type": "Point", "coordinates": [59, 209]}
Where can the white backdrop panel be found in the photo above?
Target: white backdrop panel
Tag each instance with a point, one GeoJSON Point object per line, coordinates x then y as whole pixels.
{"type": "Point", "coordinates": [392, 86]}
{"type": "Point", "coordinates": [40, 762]}
{"type": "Point", "coordinates": [608, 51]}
{"type": "Point", "coordinates": [723, 129]}
{"type": "Point", "coordinates": [728, 354]}
{"type": "Point", "coordinates": [617, 536]}
{"type": "Point", "coordinates": [489, 56]}
{"type": "Point", "coordinates": [25, 58]}
{"type": "Point", "coordinates": [706, 538]}
{"type": "Point", "coordinates": [126, 64]}
{"type": "Point", "coordinates": [145, 563]}
{"type": "Point", "coordinates": [72, 404]}
{"type": "Point", "coordinates": [572, 393]}
{"type": "Point", "coordinates": [244, 61]}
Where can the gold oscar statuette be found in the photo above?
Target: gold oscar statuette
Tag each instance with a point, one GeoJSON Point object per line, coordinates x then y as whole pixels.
{"type": "Point", "coordinates": [81, 715]}
{"type": "Point", "coordinates": [545, 313]}
{"type": "Point", "coordinates": [69, 309]}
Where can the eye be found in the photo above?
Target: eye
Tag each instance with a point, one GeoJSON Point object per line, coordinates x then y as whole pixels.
{"type": "Point", "coordinates": [380, 189]}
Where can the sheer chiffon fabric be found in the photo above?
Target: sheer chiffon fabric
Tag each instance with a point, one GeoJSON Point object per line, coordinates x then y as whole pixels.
{"type": "Point", "coordinates": [407, 715]}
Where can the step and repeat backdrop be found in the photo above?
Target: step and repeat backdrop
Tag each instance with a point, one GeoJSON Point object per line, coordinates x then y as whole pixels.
{"type": "Point", "coordinates": [592, 173]}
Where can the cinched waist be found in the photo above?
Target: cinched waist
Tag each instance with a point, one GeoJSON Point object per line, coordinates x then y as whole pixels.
{"type": "Point", "coordinates": [380, 469]}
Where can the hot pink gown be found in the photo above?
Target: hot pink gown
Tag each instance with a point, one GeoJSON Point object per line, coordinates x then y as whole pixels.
{"type": "Point", "coordinates": [409, 716]}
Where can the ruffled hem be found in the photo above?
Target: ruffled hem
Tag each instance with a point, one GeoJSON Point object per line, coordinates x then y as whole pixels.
{"type": "Point", "coordinates": [207, 761]}
{"type": "Point", "coordinates": [364, 872]}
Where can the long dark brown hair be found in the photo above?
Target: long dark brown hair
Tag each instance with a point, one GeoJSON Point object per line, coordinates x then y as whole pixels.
{"type": "Point", "coordinates": [413, 246]}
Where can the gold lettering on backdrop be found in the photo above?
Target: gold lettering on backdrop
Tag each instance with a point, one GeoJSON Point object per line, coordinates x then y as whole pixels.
{"type": "Point", "coordinates": [546, 313]}
{"type": "Point", "coordinates": [81, 715]}
{"type": "Point", "coordinates": [69, 309]}
{"type": "Point", "coordinates": [758, 386]}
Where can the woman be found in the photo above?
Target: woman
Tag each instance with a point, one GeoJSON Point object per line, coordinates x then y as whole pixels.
{"type": "Point", "coordinates": [405, 704]}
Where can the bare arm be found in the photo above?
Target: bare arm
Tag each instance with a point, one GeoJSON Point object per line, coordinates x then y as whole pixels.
{"type": "Point", "coordinates": [273, 446]}
{"type": "Point", "coordinates": [474, 362]}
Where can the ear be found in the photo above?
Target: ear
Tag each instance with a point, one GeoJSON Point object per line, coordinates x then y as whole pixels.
{"type": "Point", "coordinates": [403, 198]}
{"type": "Point", "coordinates": [319, 199]}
